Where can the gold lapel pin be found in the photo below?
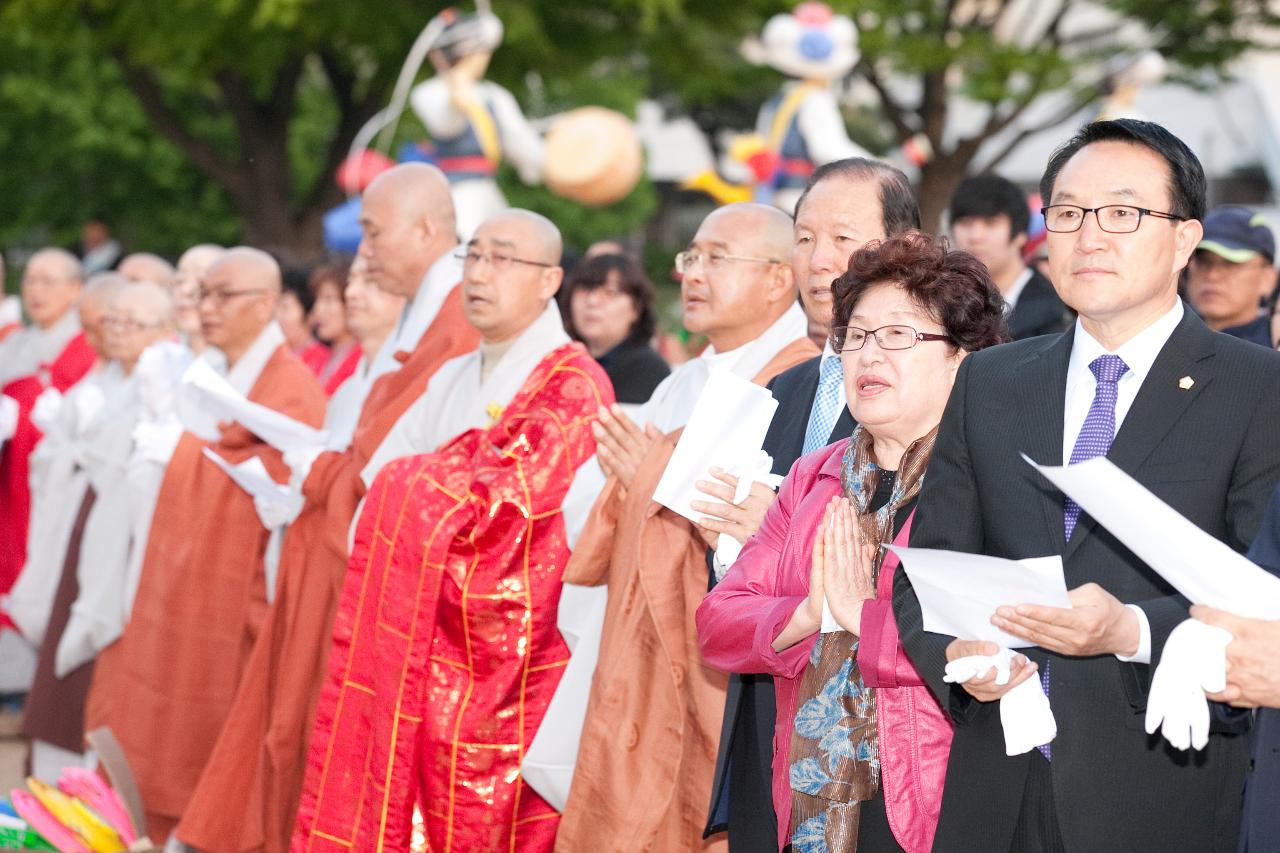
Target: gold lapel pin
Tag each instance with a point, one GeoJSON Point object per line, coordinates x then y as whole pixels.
{"type": "Point", "coordinates": [1185, 383]}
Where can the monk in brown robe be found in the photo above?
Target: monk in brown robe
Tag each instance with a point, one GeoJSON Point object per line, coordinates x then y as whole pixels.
{"type": "Point", "coordinates": [166, 685]}
{"type": "Point", "coordinates": [648, 746]}
{"type": "Point", "coordinates": [248, 795]}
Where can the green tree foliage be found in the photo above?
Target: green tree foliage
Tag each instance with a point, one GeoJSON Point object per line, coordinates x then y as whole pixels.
{"type": "Point", "coordinates": [186, 120]}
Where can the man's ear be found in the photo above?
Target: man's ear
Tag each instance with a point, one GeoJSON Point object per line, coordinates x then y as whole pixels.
{"type": "Point", "coordinates": [782, 284]}
{"type": "Point", "coordinates": [550, 283]}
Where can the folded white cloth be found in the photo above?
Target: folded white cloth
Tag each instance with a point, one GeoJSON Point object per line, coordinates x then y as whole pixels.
{"type": "Point", "coordinates": [275, 511]}
{"type": "Point", "coordinates": [1025, 714]}
{"type": "Point", "coordinates": [300, 460]}
{"type": "Point", "coordinates": [1194, 661]}
{"type": "Point", "coordinates": [155, 441]}
{"type": "Point", "coordinates": [8, 417]}
{"type": "Point", "coordinates": [757, 469]}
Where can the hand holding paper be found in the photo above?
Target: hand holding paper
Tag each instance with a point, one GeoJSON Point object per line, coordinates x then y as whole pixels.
{"type": "Point", "coordinates": [276, 504]}
{"type": "Point", "coordinates": [739, 505]}
{"type": "Point", "coordinates": [223, 402]}
{"type": "Point", "coordinates": [1181, 553]}
{"type": "Point", "coordinates": [728, 424]}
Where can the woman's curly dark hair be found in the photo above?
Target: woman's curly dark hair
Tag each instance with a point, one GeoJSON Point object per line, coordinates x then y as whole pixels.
{"type": "Point", "coordinates": [951, 286]}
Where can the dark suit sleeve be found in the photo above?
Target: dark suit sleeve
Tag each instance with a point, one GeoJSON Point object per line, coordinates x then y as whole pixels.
{"type": "Point", "coordinates": [947, 517]}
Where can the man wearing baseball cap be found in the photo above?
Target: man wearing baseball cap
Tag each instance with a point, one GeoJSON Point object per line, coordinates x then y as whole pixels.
{"type": "Point", "coordinates": [1232, 271]}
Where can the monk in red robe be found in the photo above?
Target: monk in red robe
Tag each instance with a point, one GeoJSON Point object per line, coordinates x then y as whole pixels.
{"type": "Point", "coordinates": [166, 685]}
{"type": "Point", "coordinates": [248, 795]}
{"type": "Point", "coordinates": [648, 747]}
{"type": "Point", "coordinates": [445, 648]}
{"type": "Point", "coordinates": [52, 353]}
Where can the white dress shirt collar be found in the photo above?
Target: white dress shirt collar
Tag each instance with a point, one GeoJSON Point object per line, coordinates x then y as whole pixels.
{"type": "Point", "coordinates": [1015, 289]}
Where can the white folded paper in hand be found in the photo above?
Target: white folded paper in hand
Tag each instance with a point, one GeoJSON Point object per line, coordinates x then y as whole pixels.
{"type": "Point", "coordinates": [1194, 662]}
{"type": "Point", "coordinates": [217, 397]}
{"type": "Point", "coordinates": [1196, 564]}
{"type": "Point", "coordinates": [45, 410]}
{"type": "Point", "coordinates": [300, 461]}
{"type": "Point", "coordinates": [728, 424]}
{"type": "Point", "coordinates": [8, 417]}
{"type": "Point", "coordinates": [756, 469]}
{"type": "Point", "coordinates": [276, 504]}
{"type": "Point", "coordinates": [1025, 714]}
{"type": "Point", "coordinates": [960, 592]}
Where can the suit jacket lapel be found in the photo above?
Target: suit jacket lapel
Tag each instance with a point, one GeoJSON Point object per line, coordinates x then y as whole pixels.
{"type": "Point", "coordinates": [1159, 404]}
{"type": "Point", "coordinates": [1041, 424]}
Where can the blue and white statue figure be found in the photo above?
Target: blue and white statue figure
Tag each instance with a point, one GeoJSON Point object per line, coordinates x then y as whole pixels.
{"type": "Point", "coordinates": [474, 123]}
{"type": "Point", "coordinates": [800, 127]}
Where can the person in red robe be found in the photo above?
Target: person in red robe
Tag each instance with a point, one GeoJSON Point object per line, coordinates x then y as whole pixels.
{"type": "Point", "coordinates": [166, 685]}
{"type": "Point", "coordinates": [52, 353]}
{"type": "Point", "coordinates": [248, 794]}
{"type": "Point", "coordinates": [445, 647]}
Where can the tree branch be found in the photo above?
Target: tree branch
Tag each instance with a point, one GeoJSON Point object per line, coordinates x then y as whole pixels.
{"type": "Point", "coordinates": [894, 111]}
{"type": "Point", "coordinates": [1076, 104]}
{"type": "Point", "coordinates": [203, 154]}
{"type": "Point", "coordinates": [352, 115]}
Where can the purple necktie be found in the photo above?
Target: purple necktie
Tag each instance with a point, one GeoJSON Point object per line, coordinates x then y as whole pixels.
{"type": "Point", "coordinates": [1095, 439]}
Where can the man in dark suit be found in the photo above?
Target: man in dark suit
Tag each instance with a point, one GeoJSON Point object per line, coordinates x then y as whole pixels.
{"type": "Point", "coordinates": [989, 220]}
{"type": "Point", "coordinates": [845, 205]}
{"type": "Point", "coordinates": [1195, 417]}
{"type": "Point", "coordinates": [1253, 681]}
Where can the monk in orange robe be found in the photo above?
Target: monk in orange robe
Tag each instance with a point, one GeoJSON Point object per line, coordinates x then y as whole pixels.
{"type": "Point", "coordinates": [248, 795]}
{"type": "Point", "coordinates": [52, 353]}
{"type": "Point", "coordinates": [445, 647]}
{"type": "Point", "coordinates": [648, 748]}
{"type": "Point", "coordinates": [166, 685]}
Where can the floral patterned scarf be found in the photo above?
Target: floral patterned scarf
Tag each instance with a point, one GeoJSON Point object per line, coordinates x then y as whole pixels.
{"type": "Point", "coordinates": [835, 749]}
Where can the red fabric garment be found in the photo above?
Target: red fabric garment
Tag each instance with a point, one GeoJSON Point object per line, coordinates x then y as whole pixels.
{"type": "Point", "coordinates": [343, 370]}
{"type": "Point", "coordinates": [445, 648]}
{"type": "Point", "coordinates": [739, 620]}
{"type": "Point", "coordinates": [166, 686]}
{"type": "Point", "coordinates": [247, 797]}
{"type": "Point", "coordinates": [315, 356]}
{"type": "Point", "coordinates": [15, 494]}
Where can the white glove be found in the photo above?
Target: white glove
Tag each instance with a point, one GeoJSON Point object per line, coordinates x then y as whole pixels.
{"type": "Point", "coordinates": [44, 414]}
{"type": "Point", "coordinates": [1025, 714]}
{"type": "Point", "coordinates": [275, 512]}
{"type": "Point", "coordinates": [88, 401]}
{"type": "Point", "coordinates": [8, 417]}
{"type": "Point", "coordinates": [155, 442]}
{"type": "Point", "coordinates": [1194, 661]}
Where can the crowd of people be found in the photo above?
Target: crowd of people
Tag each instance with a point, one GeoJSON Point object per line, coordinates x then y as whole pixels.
{"type": "Point", "coordinates": [377, 555]}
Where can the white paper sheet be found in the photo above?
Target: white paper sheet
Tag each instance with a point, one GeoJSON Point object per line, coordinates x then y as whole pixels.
{"type": "Point", "coordinates": [251, 475]}
{"type": "Point", "coordinates": [959, 592]}
{"type": "Point", "coordinates": [1196, 564]}
{"type": "Point", "coordinates": [728, 425]}
{"type": "Point", "coordinates": [226, 403]}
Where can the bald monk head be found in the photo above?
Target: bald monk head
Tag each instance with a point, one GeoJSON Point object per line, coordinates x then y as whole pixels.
{"type": "Point", "coordinates": [51, 284]}
{"type": "Point", "coordinates": [138, 315]}
{"type": "Point", "coordinates": [99, 290]}
{"type": "Point", "coordinates": [406, 214]}
{"type": "Point", "coordinates": [192, 266]}
{"type": "Point", "coordinates": [511, 269]}
{"type": "Point", "coordinates": [737, 280]}
{"type": "Point", "coordinates": [238, 299]}
{"type": "Point", "coordinates": [145, 266]}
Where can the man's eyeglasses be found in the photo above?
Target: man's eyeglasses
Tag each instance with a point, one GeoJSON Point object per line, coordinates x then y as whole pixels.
{"type": "Point", "coordinates": [1112, 218]}
{"type": "Point", "coordinates": [852, 338]}
{"type": "Point", "coordinates": [126, 324]}
{"type": "Point", "coordinates": [222, 297]}
{"type": "Point", "coordinates": [686, 260]}
{"type": "Point", "coordinates": [498, 260]}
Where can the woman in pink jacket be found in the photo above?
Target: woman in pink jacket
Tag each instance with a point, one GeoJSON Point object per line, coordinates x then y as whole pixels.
{"type": "Point", "coordinates": [860, 746]}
